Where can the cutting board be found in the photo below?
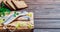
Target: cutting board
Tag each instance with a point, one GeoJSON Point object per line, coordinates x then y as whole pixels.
{"type": "Point", "coordinates": [11, 25]}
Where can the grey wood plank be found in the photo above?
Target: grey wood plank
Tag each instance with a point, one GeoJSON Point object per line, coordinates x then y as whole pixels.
{"type": "Point", "coordinates": [44, 8]}
{"type": "Point", "coordinates": [46, 30]}
{"type": "Point", "coordinates": [42, 1]}
{"type": "Point", "coordinates": [47, 10]}
{"type": "Point", "coordinates": [47, 23]}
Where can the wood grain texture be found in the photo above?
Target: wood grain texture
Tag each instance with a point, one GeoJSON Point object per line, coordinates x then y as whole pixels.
{"type": "Point", "coordinates": [44, 8]}
{"type": "Point", "coordinates": [47, 30]}
{"type": "Point", "coordinates": [47, 13]}
{"type": "Point", "coordinates": [47, 23]}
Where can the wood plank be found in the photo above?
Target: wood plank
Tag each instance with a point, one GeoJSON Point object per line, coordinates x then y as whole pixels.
{"type": "Point", "coordinates": [46, 30]}
{"type": "Point", "coordinates": [44, 8]}
{"type": "Point", "coordinates": [47, 12]}
{"type": "Point", "coordinates": [47, 23]}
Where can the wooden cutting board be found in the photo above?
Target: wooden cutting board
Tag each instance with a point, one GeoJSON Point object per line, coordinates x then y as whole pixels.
{"type": "Point", "coordinates": [11, 25]}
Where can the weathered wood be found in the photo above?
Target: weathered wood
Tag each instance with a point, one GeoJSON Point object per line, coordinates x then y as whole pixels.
{"type": "Point", "coordinates": [47, 30]}
{"type": "Point", "coordinates": [47, 13]}
{"type": "Point", "coordinates": [44, 8]}
{"type": "Point", "coordinates": [47, 23]}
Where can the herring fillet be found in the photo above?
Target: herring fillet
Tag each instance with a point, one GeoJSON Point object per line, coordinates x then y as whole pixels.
{"type": "Point", "coordinates": [11, 18]}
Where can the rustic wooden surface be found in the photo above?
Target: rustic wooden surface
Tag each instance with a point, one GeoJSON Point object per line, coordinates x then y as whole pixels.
{"type": "Point", "coordinates": [46, 13]}
{"type": "Point", "coordinates": [47, 30]}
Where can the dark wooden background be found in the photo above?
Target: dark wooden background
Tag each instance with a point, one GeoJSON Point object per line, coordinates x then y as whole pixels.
{"type": "Point", "coordinates": [46, 14]}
